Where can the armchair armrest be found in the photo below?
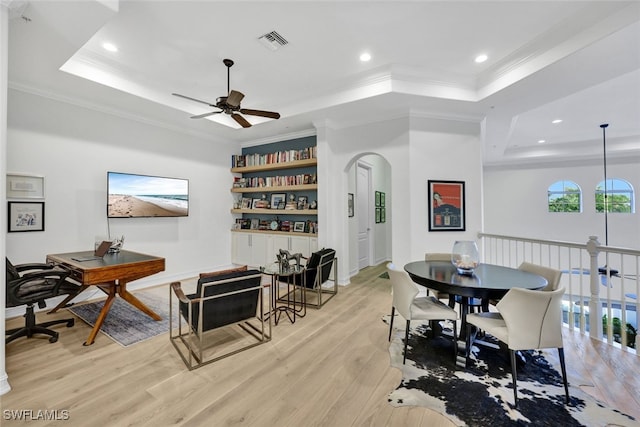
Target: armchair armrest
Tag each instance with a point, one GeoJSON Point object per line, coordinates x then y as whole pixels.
{"type": "Point", "coordinates": [177, 290]}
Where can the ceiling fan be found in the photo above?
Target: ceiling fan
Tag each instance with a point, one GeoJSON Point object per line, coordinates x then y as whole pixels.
{"type": "Point", "coordinates": [230, 104]}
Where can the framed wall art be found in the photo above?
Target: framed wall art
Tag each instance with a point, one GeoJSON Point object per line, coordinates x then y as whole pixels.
{"type": "Point", "coordinates": [25, 186]}
{"type": "Point", "coordinates": [350, 207]}
{"type": "Point", "coordinates": [26, 216]}
{"type": "Point", "coordinates": [446, 205]}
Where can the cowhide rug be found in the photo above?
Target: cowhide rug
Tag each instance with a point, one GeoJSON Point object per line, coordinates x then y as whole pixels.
{"type": "Point", "coordinates": [481, 394]}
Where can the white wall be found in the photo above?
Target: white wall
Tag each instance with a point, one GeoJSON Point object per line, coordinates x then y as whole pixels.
{"type": "Point", "coordinates": [73, 148]}
{"type": "Point", "coordinates": [416, 149]}
{"type": "Point", "coordinates": [515, 202]}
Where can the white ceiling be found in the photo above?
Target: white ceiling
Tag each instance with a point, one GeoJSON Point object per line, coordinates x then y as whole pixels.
{"type": "Point", "coordinates": [577, 61]}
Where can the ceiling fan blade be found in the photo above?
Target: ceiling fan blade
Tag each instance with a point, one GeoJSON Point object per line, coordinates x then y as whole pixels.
{"type": "Point", "coordinates": [234, 98]}
{"type": "Point", "coordinates": [200, 116]}
{"type": "Point", "coordinates": [269, 114]}
{"type": "Point", "coordinates": [193, 99]}
{"type": "Point", "coordinates": [241, 120]}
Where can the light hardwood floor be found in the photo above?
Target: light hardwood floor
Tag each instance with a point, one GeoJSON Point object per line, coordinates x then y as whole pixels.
{"type": "Point", "coordinates": [330, 368]}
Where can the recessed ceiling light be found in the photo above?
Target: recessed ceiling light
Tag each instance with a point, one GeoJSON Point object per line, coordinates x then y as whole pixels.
{"type": "Point", "coordinates": [365, 57]}
{"type": "Point", "coordinates": [481, 58]}
{"type": "Point", "coordinates": [556, 121]}
{"type": "Point", "coordinates": [110, 47]}
{"type": "Point", "coordinates": [542, 141]}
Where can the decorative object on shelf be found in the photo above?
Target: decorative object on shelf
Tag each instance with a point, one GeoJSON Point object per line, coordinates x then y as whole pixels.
{"type": "Point", "coordinates": [446, 205]}
{"type": "Point", "coordinates": [303, 202]}
{"type": "Point", "coordinates": [291, 204]}
{"type": "Point", "coordinates": [314, 205]}
{"type": "Point", "coordinates": [25, 186]}
{"type": "Point", "coordinates": [246, 203]}
{"type": "Point", "coordinates": [274, 225]}
{"type": "Point", "coordinates": [465, 256]}
{"type": "Point", "coordinates": [26, 216]}
{"type": "Point", "coordinates": [350, 206]}
{"type": "Point", "coordinates": [299, 226]}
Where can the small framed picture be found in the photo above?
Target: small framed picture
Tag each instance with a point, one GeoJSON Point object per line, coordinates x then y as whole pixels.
{"type": "Point", "coordinates": [377, 194]}
{"type": "Point", "coordinates": [383, 214]}
{"type": "Point", "coordinates": [254, 223]}
{"type": "Point", "coordinates": [276, 199]}
{"type": "Point", "coordinates": [26, 216]}
{"type": "Point", "coordinates": [246, 203]}
{"type": "Point", "coordinates": [382, 201]}
{"type": "Point", "coordinates": [25, 186]}
{"type": "Point", "coordinates": [350, 208]}
{"type": "Point", "coordinates": [255, 203]}
{"type": "Point", "coordinates": [298, 227]}
{"type": "Point", "coordinates": [378, 213]}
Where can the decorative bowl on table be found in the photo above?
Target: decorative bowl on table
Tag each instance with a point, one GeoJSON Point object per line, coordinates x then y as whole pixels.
{"type": "Point", "coordinates": [465, 257]}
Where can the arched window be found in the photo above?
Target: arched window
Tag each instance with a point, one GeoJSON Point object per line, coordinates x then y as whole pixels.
{"type": "Point", "coordinates": [619, 196]}
{"type": "Point", "coordinates": [564, 196]}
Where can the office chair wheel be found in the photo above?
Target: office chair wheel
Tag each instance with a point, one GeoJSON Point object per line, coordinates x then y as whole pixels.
{"type": "Point", "coordinates": [53, 339]}
{"type": "Point", "coordinates": [71, 322]}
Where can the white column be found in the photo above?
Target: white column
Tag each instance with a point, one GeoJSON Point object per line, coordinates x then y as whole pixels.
{"type": "Point", "coordinates": [4, 48]}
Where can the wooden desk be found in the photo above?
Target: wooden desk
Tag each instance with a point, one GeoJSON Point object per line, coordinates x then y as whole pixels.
{"type": "Point", "coordinates": [111, 274]}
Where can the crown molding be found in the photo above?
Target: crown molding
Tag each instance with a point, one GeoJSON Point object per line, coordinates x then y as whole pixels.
{"type": "Point", "coordinates": [111, 111]}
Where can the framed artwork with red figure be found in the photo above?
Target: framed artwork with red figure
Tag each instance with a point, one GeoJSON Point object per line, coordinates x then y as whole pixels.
{"type": "Point", "coordinates": [446, 205]}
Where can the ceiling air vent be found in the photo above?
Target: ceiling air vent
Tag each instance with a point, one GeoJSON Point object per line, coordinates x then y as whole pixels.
{"type": "Point", "coordinates": [273, 40]}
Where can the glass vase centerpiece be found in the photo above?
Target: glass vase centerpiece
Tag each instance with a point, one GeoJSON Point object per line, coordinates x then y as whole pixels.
{"type": "Point", "coordinates": [465, 256]}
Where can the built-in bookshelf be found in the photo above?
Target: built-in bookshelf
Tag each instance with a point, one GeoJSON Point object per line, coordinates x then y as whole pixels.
{"type": "Point", "coordinates": [276, 190]}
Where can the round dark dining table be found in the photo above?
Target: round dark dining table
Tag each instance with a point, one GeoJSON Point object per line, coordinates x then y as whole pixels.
{"type": "Point", "coordinates": [487, 282]}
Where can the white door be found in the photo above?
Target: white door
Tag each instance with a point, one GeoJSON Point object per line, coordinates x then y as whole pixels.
{"type": "Point", "coordinates": [363, 212]}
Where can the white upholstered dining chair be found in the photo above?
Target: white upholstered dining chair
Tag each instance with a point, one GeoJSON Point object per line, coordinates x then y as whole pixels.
{"type": "Point", "coordinates": [551, 274]}
{"type": "Point", "coordinates": [411, 308]}
{"type": "Point", "coordinates": [526, 320]}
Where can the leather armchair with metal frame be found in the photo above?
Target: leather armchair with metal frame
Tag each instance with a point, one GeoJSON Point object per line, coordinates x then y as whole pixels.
{"type": "Point", "coordinates": [317, 272]}
{"type": "Point", "coordinates": [221, 300]}
{"type": "Point", "coordinates": [34, 283]}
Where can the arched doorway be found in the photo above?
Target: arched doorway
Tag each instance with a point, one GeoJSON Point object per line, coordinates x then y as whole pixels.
{"type": "Point", "coordinates": [368, 178]}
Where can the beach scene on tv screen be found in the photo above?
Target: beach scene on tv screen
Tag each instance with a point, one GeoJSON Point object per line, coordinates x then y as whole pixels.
{"type": "Point", "coordinates": [146, 196]}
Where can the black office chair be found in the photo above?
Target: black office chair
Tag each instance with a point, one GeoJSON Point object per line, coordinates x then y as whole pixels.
{"type": "Point", "coordinates": [28, 284]}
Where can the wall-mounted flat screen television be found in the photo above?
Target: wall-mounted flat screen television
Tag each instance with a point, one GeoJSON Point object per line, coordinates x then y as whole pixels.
{"type": "Point", "coordinates": [131, 196]}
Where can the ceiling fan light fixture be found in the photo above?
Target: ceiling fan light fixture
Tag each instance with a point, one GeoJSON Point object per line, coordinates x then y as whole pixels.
{"type": "Point", "coordinates": [273, 40]}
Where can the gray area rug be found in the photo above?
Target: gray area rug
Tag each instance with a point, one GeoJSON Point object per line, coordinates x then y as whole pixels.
{"type": "Point", "coordinates": [481, 393]}
{"type": "Point", "coordinates": [125, 324]}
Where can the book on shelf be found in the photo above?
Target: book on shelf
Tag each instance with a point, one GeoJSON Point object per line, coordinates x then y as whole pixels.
{"type": "Point", "coordinates": [275, 181]}
{"type": "Point", "coordinates": [256, 159]}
